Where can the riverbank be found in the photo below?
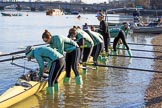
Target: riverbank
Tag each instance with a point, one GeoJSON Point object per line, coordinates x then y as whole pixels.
{"type": "Point", "coordinates": [154, 91]}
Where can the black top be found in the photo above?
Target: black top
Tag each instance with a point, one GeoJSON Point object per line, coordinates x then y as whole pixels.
{"type": "Point", "coordinates": [103, 28]}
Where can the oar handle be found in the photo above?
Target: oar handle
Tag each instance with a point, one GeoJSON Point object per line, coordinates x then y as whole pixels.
{"type": "Point", "coordinates": [141, 50]}
{"type": "Point", "coordinates": [157, 58]}
{"type": "Point", "coordinates": [142, 44]}
{"type": "Point", "coordinates": [118, 67]}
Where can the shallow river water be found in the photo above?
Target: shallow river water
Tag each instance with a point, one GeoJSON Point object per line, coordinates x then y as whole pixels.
{"type": "Point", "coordinates": [105, 87]}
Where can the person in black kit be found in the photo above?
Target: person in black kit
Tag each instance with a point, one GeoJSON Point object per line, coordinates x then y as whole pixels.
{"type": "Point", "coordinates": [136, 15]}
{"type": "Point", "coordinates": [103, 30]}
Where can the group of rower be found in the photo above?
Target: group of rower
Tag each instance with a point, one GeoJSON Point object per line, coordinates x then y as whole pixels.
{"type": "Point", "coordinates": [73, 50]}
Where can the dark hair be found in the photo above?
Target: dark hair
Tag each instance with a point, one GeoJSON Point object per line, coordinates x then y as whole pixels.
{"type": "Point", "coordinates": [124, 23]}
{"type": "Point", "coordinates": [72, 30]}
{"type": "Point", "coordinates": [46, 34]}
{"type": "Point", "coordinates": [74, 26]}
{"type": "Point", "coordinates": [93, 27]}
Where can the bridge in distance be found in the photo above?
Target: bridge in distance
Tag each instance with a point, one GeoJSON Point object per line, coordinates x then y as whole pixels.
{"type": "Point", "coordinates": [48, 5]}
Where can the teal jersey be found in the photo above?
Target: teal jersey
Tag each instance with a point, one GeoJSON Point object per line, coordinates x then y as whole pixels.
{"type": "Point", "coordinates": [88, 40]}
{"type": "Point", "coordinates": [97, 37]}
{"type": "Point", "coordinates": [115, 31]}
{"type": "Point", "coordinates": [126, 31]}
{"type": "Point", "coordinates": [45, 54]}
{"type": "Point", "coordinates": [63, 44]}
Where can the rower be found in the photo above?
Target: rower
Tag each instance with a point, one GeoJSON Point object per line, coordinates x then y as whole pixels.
{"type": "Point", "coordinates": [85, 43]}
{"type": "Point", "coordinates": [98, 43]}
{"type": "Point", "coordinates": [72, 54]}
{"type": "Point", "coordinates": [117, 34]}
{"type": "Point", "coordinates": [55, 65]}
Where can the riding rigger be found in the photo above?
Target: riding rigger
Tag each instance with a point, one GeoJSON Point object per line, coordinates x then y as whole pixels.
{"type": "Point", "coordinates": [98, 44]}
{"type": "Point", "coordinates": [72, 53]}
{"type": "Point", "coordinates": [120, 34]}
{"type": "Point", "coordinates": [85, 43]}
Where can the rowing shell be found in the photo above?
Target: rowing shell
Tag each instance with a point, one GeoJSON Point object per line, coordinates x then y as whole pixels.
{"type": "Point", "coordinates": [23, 89]}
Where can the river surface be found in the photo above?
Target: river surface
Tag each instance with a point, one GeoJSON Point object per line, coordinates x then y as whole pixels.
{"type": "Point", "coordinates": [102, 88]}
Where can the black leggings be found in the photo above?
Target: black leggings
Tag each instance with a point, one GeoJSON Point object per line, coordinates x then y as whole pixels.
{"type": "Point", "coordinates": [122, 37]}
{"type": "Point", "coordinates": [96, 51]}
{"type": "Point", "coordinates": [106, 39]}
{"type": "Point", "coordinates": [55, 71]}
{"type": "Point", "coordinates": [86, 54]}
{"type": "Point", "coordinates": [72, 61]}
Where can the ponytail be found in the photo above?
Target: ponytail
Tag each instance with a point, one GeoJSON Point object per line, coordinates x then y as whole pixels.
{"type": "Point", "coordinates": [46, 34]}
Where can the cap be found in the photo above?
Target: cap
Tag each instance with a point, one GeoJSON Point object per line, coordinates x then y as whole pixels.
{"type": "Point", "coordinates": [99, 14]}
{"type": "Point", "coordinates": [28, 52]}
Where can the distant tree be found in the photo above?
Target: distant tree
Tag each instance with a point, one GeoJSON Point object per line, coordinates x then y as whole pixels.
{"type": "Point", "coordinates": [145, 3]}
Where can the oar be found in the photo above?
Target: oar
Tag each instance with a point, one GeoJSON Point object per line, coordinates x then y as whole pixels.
{"type": "Point", "coordinates": [13, 58]}
{"type": "Point", "coordinates": [19, 52]}
{"type": "Point", "coordinates": [13, 53]}
{"type": "Point", "coordinates": [141, 50]}
{"type": "Point", "coordinates": [136, 57]}
{"type": "Point", "coordinates": [119, 67]}
{"type": "Point", "coordinates": [142, 44]}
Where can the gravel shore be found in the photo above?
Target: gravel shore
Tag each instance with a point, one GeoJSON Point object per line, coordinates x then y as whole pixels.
{"type": "Point", "coordinates": [153, 94]}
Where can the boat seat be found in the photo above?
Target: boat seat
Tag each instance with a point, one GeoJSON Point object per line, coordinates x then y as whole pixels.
{"type": "Point", "coordinates": [24, 84]}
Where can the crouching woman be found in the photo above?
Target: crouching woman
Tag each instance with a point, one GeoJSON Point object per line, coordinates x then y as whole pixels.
{"type": "Point", "coordinates": [55, 65]}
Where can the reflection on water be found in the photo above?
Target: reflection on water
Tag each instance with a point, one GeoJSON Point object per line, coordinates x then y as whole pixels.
{"type": "Point", "coordinates": [105, 87]}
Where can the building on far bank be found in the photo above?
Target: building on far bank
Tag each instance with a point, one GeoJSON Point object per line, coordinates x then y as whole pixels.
{"type": "Point", "coordinates": [75, 1]}
{"type": "Point", "coordinates": [156, 4]}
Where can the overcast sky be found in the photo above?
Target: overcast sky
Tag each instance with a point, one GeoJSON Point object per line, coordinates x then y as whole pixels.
{"type": "Point", "coordinates": [87, 1]}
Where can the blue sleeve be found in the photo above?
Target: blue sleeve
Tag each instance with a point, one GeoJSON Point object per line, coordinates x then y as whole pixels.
{"type": "Point", "coordinates": [60, 45]}
{"type": "Point", "coordinates": [41, 64]}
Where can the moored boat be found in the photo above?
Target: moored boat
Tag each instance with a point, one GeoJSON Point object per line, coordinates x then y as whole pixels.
{"type": "Point", "coordinates": [11, 14]}
{"type": "Point", "coordinates": [74, 12]}
{"type": "Point", "coordinates": [55, 12]}
{"type": "Point", "coordinates": [149, 28]}
{"type": "Point", "coordinates": [153, 30]}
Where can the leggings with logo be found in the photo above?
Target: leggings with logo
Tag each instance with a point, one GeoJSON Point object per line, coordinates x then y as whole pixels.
{"type": "Point", "coordinates": [55, 71]}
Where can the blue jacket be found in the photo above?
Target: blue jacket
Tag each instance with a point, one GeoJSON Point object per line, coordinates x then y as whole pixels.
{"type": "Point", "coordinates": [97, 37]}
{"type": "Point", "coordinates": [88, 40]}
{"type": "Point", "coordinates": [45, 54]}
{"type": "Point", "coordinates": [63, 44]}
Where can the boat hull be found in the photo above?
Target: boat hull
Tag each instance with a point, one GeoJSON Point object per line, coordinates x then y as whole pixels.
{"type": "Point", "coordinates": [11, 14]}
{"type": "Point", "coordinates": [18, 93]}
{"type": "Point", "coordinates": [54, 12]}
